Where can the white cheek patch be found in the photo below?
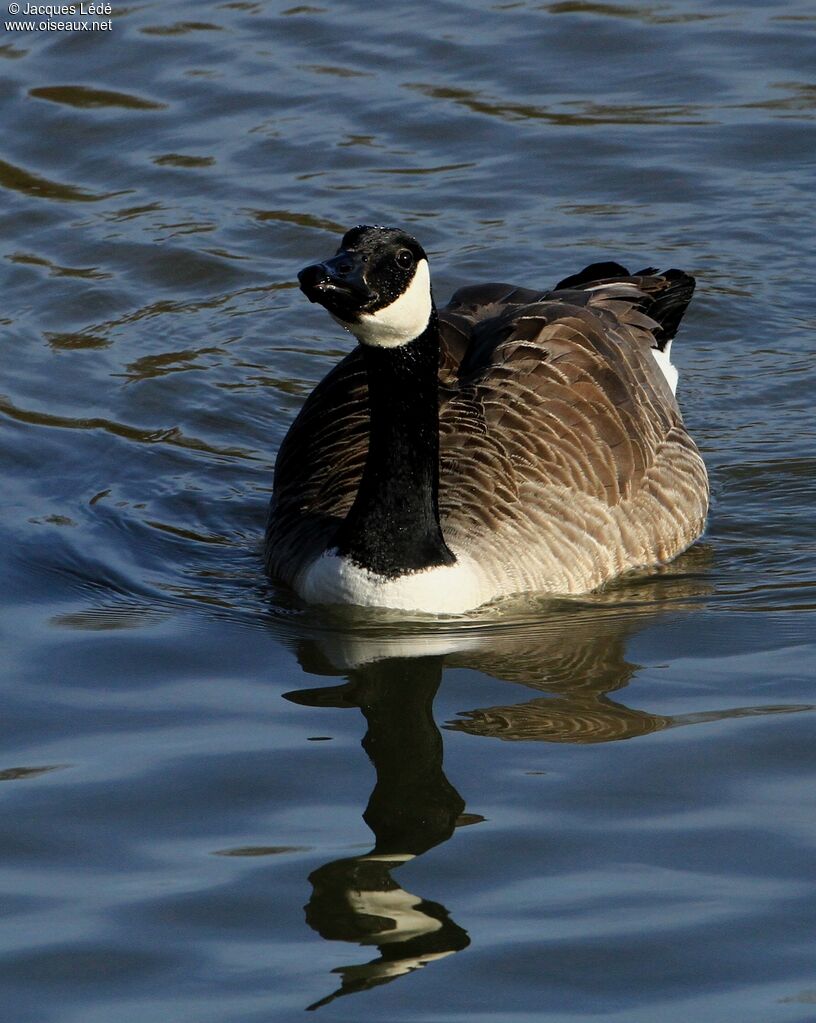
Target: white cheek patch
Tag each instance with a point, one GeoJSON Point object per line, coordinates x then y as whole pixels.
{"type": "Point", "coordinates": [402, 321]}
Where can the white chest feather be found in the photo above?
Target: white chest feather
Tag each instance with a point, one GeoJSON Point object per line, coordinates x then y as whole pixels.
{"type": "Point", "coordinates": [445, 589]}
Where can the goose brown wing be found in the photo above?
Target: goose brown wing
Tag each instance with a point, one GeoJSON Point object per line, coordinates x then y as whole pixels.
{"type": "Point", "coordinates": [561, 394]}
{"type": "Point", "coordinates": [318, 468]}
{"type": "Point", "coordinates": [559, 423]}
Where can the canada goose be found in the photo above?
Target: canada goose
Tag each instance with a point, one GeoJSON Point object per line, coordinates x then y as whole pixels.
{"type": "Point", "coordinates": [517, 441]}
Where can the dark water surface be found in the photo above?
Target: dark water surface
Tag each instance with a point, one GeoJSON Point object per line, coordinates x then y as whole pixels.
{"type": "Point", "coordinates": [624, 826]}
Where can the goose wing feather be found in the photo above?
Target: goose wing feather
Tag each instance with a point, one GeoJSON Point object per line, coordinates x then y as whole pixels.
{"type": "Point", "coordinates": [318, 469]}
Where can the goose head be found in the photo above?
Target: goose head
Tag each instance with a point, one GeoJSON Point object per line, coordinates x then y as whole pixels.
{"type": "Point", "coordinates": [377, 286]}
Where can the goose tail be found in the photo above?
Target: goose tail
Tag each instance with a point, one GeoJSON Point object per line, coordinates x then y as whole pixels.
{"type": "Point", "coordinates": [668, 302]}
{"type": "Point", "coordinates": [664, 297]}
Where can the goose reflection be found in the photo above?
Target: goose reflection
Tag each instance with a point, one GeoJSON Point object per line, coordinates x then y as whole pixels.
{"type": "Point", "coordinates": [574, 657]}
{"type": "Point", "coordinates": [576, 672]}
{"type": "Point", "coordinates": [412, 808]}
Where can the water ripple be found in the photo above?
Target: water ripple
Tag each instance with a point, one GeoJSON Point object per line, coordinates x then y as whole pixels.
{"type": "Point", "coordinates": [86, 97]}
{"type": "Point", "coordinates": [18, 179]}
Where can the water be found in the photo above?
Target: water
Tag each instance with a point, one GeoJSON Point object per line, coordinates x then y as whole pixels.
{"type": "Point", "coordinates": [623, 825]}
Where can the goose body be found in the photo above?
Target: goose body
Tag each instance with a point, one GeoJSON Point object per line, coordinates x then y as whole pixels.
{"type": "Point", "coordinates": [516, 441]}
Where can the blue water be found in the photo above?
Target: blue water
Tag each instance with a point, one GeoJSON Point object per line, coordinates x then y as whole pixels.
{"type": "Point", "coordinates": [598, 808]}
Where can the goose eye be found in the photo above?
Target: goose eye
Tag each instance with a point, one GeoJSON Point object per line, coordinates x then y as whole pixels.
{"type": "Point", "coordinates": [405, 259]}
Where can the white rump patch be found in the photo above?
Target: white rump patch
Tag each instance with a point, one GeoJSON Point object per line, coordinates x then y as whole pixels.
{"type": "Point", "coordinates": [668, 370]}
{"type": "Point", "coordinates": [402, 321]}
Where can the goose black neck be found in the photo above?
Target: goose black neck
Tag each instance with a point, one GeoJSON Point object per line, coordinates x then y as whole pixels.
{"type": "Point", "coordinates": [393, 526]}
